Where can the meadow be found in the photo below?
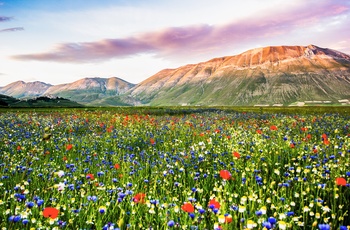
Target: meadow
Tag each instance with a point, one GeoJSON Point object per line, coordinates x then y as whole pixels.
{"type": "Point", "coordinates": [175, 168]}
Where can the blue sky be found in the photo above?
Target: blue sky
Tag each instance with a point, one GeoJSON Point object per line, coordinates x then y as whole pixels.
{"type": "Point", "coordinates": [60, 41]}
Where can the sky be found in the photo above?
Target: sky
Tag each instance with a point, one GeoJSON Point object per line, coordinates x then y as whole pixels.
{"type": "Point", "coordinates": [61, 41]}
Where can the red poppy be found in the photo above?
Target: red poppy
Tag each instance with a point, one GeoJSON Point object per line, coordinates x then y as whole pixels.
{"type": "Point", "coordinates": [152, 141]}
{"type": "Point", "coordinates": [228, 219]}
{"type": "Point", "coordinates": [236, 154]}
{"type": "Point", "coordinates": [259, 131]}
{"type": "Point", "coordinates": [117, 166]}
{"type": "Point", "coordinates": [214, 203]}
{"type": "Point", "coordinates": [90, 176]}
{"type": "Point", "coordinates": [303, 129]}
{"type": "Point", "coordinates": [139, 198]}
{"type": "Point", "coordinates": [187, 207]}
{"type": "Point", "coordinates": [64, 158]}
{"type": "Point", "coordinates": [292, 145]}
{"type": "Point", "coordinates": [326, 142]}
{"type": "Point", "coordinates": [18, 147]}
{"type": "Point", "coordinates": [50, 212]}
{"type": "Point", "coordinates": [340, 181]}
{"type": "Point", "coordinates": [273, 127]}
{"type": "Point", "coordinates": [324, 136]}
{"type": "Point", "coordinates": [69, 147]}
{"type": "Point", "coordinates": [224, 174]}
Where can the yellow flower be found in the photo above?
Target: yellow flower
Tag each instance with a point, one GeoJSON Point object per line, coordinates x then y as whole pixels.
{"type": "Point", "coordinates": [282, 225]}
{"type": "Point", "coordinates": [251, 224]}
{"type": "Point", "coordinates": [306, 209]}
{"type": "Point", "coordinates": [221, 219]}
{"type": "Point", "coordinates": [263, 210]}
{"type": "Point", "coordinates": [241, 208]}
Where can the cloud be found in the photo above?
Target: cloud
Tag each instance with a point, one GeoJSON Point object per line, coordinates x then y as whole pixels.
{"type": "Point", "coordinates": [12, 29]}
{"type": "Point", "coordinates": [4, 19]}
{"type": "Point", "coordinates": [175, 42]}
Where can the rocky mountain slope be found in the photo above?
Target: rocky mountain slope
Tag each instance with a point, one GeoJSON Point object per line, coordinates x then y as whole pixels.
{"type": "Point", "coordinates": [269, 75]}
{"type": "Point", "coordinates": [21, 89]}
{"type": "Point", "coordinates": [90, 90]}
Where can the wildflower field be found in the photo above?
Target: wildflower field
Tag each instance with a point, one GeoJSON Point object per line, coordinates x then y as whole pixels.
{"type": "Point", "coordinates": [208, 169]}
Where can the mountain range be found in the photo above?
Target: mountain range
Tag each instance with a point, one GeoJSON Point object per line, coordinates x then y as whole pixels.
{"type": "Point", "coordinates": [268, 75]}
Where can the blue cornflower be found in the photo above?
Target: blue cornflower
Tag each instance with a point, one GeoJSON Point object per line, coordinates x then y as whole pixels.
{"type": "Point", "coordinates": [272, 220]}
{"type": "Point", "coordinates": [192, 215]}
{"type": "Point", "coordinates": [215, 210]}
{"type": "Point", "coordinates": [290, 213]}
{"type": "Point", "coordinates": [40, 202]}
{"type": "Point", "coordinates": [25, 221]}
{"type": "Point", "coordinates": [324, 227]}
{"type": "Point", "coordinates": [171, 223]}
{"type": "Point", "coordinates": [121, 195]}
{"type": "Point", "coordinates": [93, 198]}
{"type": "Point", "coordinates": [128, 192]}
{"type": "Point", "coordinates": [267, 225]}
{"type": "Point", "coordinates": [30, 204]}
{"type": "Point", "coordinates": [15, 219]}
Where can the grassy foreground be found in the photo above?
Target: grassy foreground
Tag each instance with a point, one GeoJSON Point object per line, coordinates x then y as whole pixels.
{"type": "Point", "coordinates": [175, 168]}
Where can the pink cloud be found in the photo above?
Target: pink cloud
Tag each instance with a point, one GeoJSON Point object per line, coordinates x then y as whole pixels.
{"type": "Point", "coordinates": [179, 41]}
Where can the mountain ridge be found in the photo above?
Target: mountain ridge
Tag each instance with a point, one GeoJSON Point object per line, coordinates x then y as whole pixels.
{"type": "Point", "coordinates": [253, 76]}
{"type": "Point", "coordinates": [264, 75]}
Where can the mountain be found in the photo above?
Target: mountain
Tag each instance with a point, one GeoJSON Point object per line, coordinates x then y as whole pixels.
{"type": "Point", "coordinates": [268, 75]}
{"type": "Point", "coordinates": [21, 89]}
{"type": "Point", "coordinates": [89, 91]}
{"type": "Point", "coordinates": [280, 75]}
